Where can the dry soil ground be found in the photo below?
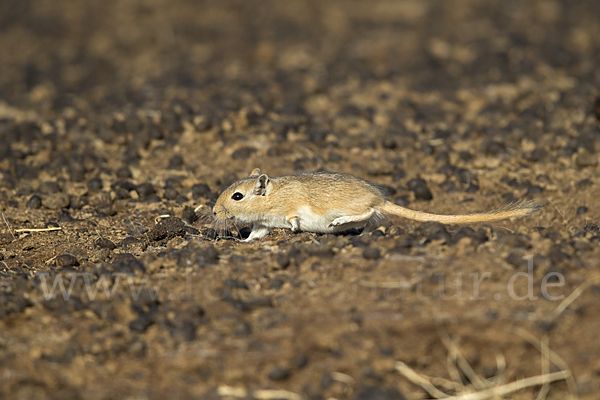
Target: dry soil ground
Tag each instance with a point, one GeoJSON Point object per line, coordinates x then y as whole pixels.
{"type": "Point", "coordinates": [113, 113]}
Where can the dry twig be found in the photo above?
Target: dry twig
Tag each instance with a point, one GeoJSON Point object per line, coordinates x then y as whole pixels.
{"type": "Point", "coordinates": [50, 228]}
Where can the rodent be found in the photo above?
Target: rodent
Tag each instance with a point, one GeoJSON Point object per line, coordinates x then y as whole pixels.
{"type": "Point", "coordinates": [326, 202]}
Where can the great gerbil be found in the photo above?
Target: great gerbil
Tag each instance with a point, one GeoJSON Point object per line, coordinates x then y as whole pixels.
{"type": "Point", "coordinates": [325, 202]}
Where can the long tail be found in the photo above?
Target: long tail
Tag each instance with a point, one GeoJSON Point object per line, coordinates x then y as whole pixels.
{"type": "Point", "coordinates": [518, 209]}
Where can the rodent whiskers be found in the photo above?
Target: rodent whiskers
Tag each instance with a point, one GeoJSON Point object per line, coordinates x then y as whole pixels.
{"type": "Point", "coordinates": [218, 229]}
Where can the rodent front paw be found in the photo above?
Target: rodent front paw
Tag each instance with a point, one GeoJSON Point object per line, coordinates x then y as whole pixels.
{"type": "Point", "coordinates": [337, 222]}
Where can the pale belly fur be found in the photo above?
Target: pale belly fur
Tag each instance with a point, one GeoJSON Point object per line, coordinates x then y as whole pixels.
{"type": "Point", "coordinates": [311, 222]}
{"type": "Point", "coordinates": [308, 221]}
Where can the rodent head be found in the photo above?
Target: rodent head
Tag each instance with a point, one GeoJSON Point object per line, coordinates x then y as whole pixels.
{"type": "Point", "coordinates": [241, 200]}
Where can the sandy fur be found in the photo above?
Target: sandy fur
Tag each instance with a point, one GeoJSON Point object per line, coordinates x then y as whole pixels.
{"type": "Point", "coordinates": [327, 202]}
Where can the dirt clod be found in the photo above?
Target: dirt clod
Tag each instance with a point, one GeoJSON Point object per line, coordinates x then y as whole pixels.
{"type": "Point", "coordinates": [584, 160]}
{"type": "Point", "coordinates": [145, 189]}
{"type": "Point", "coordinates": [34, 202]}
{"type": "Point", "coordinates": [201, 190]}
{"type": "Point", "coordinates": [371, 253]}
{"type": "Point", "coordinates": [167, 229]}
{"type": "Point", "coordinates": [420, 189]}
{"type": "Point", "coordinates": [104, 243]}
{"type": "Point", "coordinates": [127, 263]}
{"type": "Point", "coordinates": [66, 260]}
{"type": "Point", "coordinates": [56, 201]}
{"type": "Point", "coordinates": [279, 374]}
{"type": "Point", "coordinates": [582, 210]}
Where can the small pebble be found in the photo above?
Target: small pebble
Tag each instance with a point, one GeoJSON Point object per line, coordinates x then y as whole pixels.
{"type": "Point", "coordinates": [66, 260]}
{"type": "Point", "coordinates": [427, 149]}
{"type": "Point", "coordinates": [122, 193]}
{"type": "Point", "coordinates": [56, 201]}
{"type": "Point", "coordinates": [301, 361]}
{"type": "Point", "coordinates": [279, 374]}
{"type": "Point", "coordinates": [201, 190]}
{"type": "Point", "coordinates": [170, 193]}
{"type": "Point", "coordinates": [389, 143]}
{"type": "Point", "coordinates": [65, 216]}
{"type": "Point", "coordinates": [104, 243]}
{"type": "Point", "coordinates": [335, 157]}
{"type": "Point", "coordinates": [401, 201]}
{"type": "Point", "coordinates": [420, 189]}
{"type": "Point", "coordinates": [176, 162]}
{"type": "Point", "coordinates": [433, 230]}
{"type": "Point", "coordinates": [145, 189]}
{"type": "Point", "coordinates": [584, 160]}
{"type": "Point", "coordinates": [167, 229]}
{"type": "Point", "coordinates": [242, 329]}
{"type": "Point", "coordinates": [465, 155]}
{"type": "Point", "coordinates": [276, 284]}
{"type": "Point", "coordinates": [189, 215]}
{"type": "Point", "coordinates": [124, 173]}
{"type": "Point", "coordinates": [473, 188]}
{"type": "Point", "coordinates": [489, 371]}
{"type": "Point", "coordinates": [49, 187]}
{"type": "Point", "coordinates": [494, 148]}
{"type": "Point", "coordinates": [243, 153]}
{"type": "Point", "coordinates": [516, 259]}
{"type": "Point", "coordinates": [582, 210]}
{"type": "Point", "coordinates": [128, 264]}
{"type": "Point", "coordinates": [370, 372]}
{"type": "Point", "coordinates": [140, 324]}
{"type": "Point", "coordinates": [377, 233]}
{"type": "Point", "coordinates": [34, 202]}
{"type": "Point", "coordinates": [235, 284]}
{"type": "Point", "coordinates": [584, 183]}
{"type": "Point", "coordinates": [537, 155]}
{"type": "Point", "coordinates": [479, 236]}
{"type": "Point", "coordinates": [534, 189]}
{"type": "Point", "coordinates": [591, 227]}
{"type": "Point", "coordinates": [546, 325]}
{"type": "Point", "coordinates": [371, 253]}
{"type": "Point", "coordinates": [94, 185]}
{"type": "Point", "coordinates": [138, 349]}
{"type": "Point", "coordinates": [283, 261]}
{"type": "Point", "coordinates": [172, 182]}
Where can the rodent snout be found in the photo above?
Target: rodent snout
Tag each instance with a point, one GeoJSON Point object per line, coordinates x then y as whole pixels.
{"type": "Point", "coordinates": [220, 212]}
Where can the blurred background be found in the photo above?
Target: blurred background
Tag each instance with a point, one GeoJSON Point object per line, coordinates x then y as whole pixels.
{"type": "Point", "coordinates": [106, 54]}
{"type": "Point", "coordinates": [113, 112]}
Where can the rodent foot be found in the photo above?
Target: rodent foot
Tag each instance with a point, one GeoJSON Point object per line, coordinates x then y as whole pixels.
{"type": "Point", "coordinates": [294, 223]}
{"type": "Point", "coordinates": [258, 232]}
{"type": "Point", "coordinates": [338, 222]}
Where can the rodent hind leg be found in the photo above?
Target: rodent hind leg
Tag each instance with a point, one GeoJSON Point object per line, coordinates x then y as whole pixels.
{"type": "Point", "coordinates": [293, 221]}
{"type": "Point", "coordinates": [370, 226]}
{"type": "Point", "coordinates": [347, 219]}
{"type": "Point", "coordinates": [258, 232]}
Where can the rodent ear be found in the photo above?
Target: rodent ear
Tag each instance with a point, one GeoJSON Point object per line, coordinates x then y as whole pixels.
{"type": "Point", "coordinates": [255, 172]}
{"type": "Point", "coordinates": [262, 185]}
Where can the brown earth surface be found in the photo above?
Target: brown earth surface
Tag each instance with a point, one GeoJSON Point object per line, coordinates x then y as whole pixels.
{"type": "Point", "coordinates": [118, 118]}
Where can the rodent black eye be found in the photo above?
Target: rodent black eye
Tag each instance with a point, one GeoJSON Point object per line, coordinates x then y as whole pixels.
{"type": "Point", "coordinates": [237, 196]}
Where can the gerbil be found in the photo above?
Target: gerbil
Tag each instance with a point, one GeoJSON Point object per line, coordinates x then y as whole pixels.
{"type": "Point", "coordinates": [325, 202]}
